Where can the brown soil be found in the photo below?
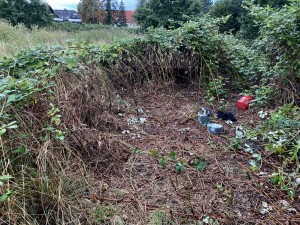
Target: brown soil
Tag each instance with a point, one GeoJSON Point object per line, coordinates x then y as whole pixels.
{"type": "Point", "coordinates": [227, 191]}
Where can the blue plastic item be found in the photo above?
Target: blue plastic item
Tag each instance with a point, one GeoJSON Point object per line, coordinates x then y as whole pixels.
{"type": "Point", "coordinates": [215, 128]}
{"type": "Point", "coordinates": [204, 117]}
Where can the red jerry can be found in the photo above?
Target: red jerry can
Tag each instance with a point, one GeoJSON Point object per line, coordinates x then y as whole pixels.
{"type": "Point", "coordinates": [243, 102]}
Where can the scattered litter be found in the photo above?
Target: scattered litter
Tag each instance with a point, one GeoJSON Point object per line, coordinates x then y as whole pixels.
{"type": "Point", "coordinates": [298, 180]}
{"type": "Point", "coordinates": [142, 120]}
{"type": "Point", "coordinates": [206, 111]}
{"type": "Point", "coordinates": [125, 132]}
{"type": "Point", "coordinates": [265, 208]}
{"type": "Point", "coordinates": [239, 132]}
{"type": "Point", "coordinates": [291, 210]}
{"type": "Point", "coordinates": [226, 116]}
{"type": "Point", "coordinates": [120, 104]}
{"type": "Point", "coordinates": [135, 127]}
{"type": "Point", "coordinates": [121, 115]}
{"type": "Point", "coordinates": [286, 206]}
{"type": "Point", "coordinates": [229, 122]}
{"type": "Point", "coordinates": [248, 149]}
{"type": "Point", "coordinates": [132, 120]}
{"type": "Point", "coordinates": [243, 102]}
{"type": "Point", "coordinates": [262, 114]}
{"type": "Point", "coordinates": [262, 174]}
{"type": "Point", "coordinates": [184, 129]}
{"type": "Point", "coordinates": [204, 116]}
{"type": "Point", "coordinates": [135, 136]}
{"type": "Point", "coordinates": [140, 111]}
{"type": "Point", "coordinates": [214, 128]}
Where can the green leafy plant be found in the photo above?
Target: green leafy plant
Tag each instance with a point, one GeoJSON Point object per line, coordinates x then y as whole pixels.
{"type": "Point", "coordinates": [173, 155]}
{"type": "Point", "coordinates": [220, 187]}
{"type": "Point", "coordinates": [55, 123]}
{"type": "Point", "coordinates": [104, 213]}
{"type": "Point", "coordinates": [262, 95]}
{"type": "Point", "coordinates": [284, 183]}
{"type": "Point", "coordinates": [179, 167]}
{"type": "Point", "coordinates": [279, 134]}
{"type": "Point", "coordinates": [163, 162]}
{"type": "Point", "coordinates": [154, 153]}
{"type": "Point", "coordinates": [11, 125]}
{"type": "Point", "coordinates": [8, 193]}
{"type": "Point", "coordinates": [216, 91]}
{"type": "Point", "coordinates": [136, 151]}
{"type": "Point", "coordinates": [200, 166]}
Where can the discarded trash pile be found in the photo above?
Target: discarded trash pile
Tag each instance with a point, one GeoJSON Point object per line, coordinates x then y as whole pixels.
{"type": "Point", "coordinates": [183, 173]}
{"type": "Point", "coordinates": [204, 116]}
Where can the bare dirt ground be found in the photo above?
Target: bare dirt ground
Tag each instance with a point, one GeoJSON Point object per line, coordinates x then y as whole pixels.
{"type": "Point", "coordinates": [144, 192]}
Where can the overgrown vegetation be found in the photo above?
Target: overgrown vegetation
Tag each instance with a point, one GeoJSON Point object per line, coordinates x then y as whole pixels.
{"type": "Point", "coordinates": [169, 14]}
{"type": "Point", "coordinates": [59, 106]}
{"type": "Point", "coordinates": [30, 13]}
{"type": "Point", "coordinates": [14, 39]}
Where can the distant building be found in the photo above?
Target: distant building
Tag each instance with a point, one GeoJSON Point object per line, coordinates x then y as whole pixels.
{"type": "Point", "coordinates": [65, 15]}
{"type": "Point", "coordinates": [129, 16]}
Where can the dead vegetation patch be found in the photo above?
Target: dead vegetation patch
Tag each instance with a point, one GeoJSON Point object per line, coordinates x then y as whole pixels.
{"type": "Point", "coordinates": [110, 162]}
{"type": "Point", "coordinates": [107, 130]}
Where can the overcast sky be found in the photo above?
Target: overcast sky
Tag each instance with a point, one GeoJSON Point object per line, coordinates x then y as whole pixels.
{"type": "Point", "coordinates": [72, 4]}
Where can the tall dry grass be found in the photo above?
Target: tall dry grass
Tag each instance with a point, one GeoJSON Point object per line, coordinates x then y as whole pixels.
{"type": "Point", "coordinates": [52, 180]}
{"type": "Point", "coordinates": [14, 39]}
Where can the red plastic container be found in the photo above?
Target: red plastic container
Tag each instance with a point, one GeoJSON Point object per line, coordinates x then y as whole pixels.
{"type": "Point", "coordinates": [243, 102]}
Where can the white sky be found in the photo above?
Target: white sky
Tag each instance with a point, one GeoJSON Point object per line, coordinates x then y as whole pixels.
{"type": "Point", "coordinates": [72, 4]}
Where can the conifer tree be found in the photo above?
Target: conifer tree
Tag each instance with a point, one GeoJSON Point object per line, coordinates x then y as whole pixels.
{"type": "Point", "coordinates": [109, 16]}
{"type": "Point", "coordinates": [122, 20]}
{"type": "Point", "coordinates": [115, 11]}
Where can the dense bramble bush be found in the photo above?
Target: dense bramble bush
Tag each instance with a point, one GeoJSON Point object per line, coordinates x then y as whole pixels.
{"type": "Point", "coordinates": [279, 35]}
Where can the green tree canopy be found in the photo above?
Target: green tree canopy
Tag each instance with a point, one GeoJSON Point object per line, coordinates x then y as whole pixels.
{"type": "Point", "coordinates": [88, 10]}
{"type": "Point", "coordinates": [29, 13]}
{"type": "Point", "coordinates": [234, 8]}
{"type": "Point", "coordinates": [240, 20]}
{"type": "Point", "coordinates": [169, 13]}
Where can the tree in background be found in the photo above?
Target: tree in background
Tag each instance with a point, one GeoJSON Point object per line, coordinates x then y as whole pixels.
{"type": "Point", "coordinates": [115, 11]}
{"type": "Point", "coordinates": [169, 13]}
{"type": "Point", "coordinates": [29, 13]}
{"type": "Point", "coordinates": [240, 21]}
{"type": "Point", "coordinates": [206, 5]}
{"type": "Point", "coordinates": [109, 16]}
{"type": "Point", "coordinates": [122, 20]}
{"type": "Point", "coordinates": [223, 8]}
{"type": "Point", "coordinates": [88, 10]}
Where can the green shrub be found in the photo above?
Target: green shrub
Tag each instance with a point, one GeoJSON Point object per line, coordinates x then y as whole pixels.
{"type": "Point", "coordinates": [278, 37]}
